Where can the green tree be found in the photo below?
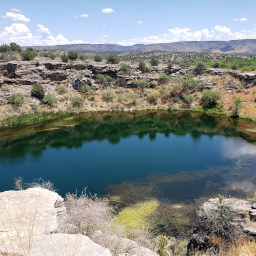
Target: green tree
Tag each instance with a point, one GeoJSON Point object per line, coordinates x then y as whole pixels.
{"type": "Point", "coordinates": [17, 98]}
{"type": "Point", "coordinates": [15, 47]}
{"type": "Point", "coordinates": [72, 55]}
{"type": "Point", "coordinates": [210, 99]}
{"type": "Point", "coordinates": [142, 67]}
{"type": "Point", "coordinates": [236, 107]}
{"type": "Point", "coordinates": [98, 58]}
{"type": "Point", "coordinates": [38, 91]}
{"type": "Point", "coordinates": [64, 58]}
{"type": "Point", "coordinates": [200, 68]}
{"type": "Point", "coordinates": [5, 48]}
{"type": "Point", "coordinates": [154, 62]}
{"type": "Point", "coordinates": [28, 54]}
{"type": "Point", "coordinates": [112, 59]}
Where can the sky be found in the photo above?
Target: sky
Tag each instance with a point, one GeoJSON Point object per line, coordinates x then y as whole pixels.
{"type": "Point", "coordinates": [125, 22]}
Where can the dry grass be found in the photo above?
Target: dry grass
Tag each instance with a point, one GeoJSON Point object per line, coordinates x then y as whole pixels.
{"type": "Point", "coordinates": [94, 217]}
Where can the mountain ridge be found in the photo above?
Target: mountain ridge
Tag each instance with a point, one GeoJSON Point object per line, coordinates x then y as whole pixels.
{"type": "Point", "coordinates": [243, 46]}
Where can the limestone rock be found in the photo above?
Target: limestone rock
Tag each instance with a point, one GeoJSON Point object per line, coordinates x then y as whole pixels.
{"type": "Point", "coordinates": [29, 222]}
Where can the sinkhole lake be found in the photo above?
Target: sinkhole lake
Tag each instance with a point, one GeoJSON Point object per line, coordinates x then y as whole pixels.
{"type": "Point", "coordinates": [172, 156]}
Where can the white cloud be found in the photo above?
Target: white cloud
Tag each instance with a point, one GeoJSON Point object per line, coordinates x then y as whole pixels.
{"type": "Point", "coordinates": [15, 10]}
{"type": "Point", "coordinates": [107, 10]}
{"type": "Point", "coordinates": [104, 25]}
{"type": "Point", "coordinates": [106, 36]}
{"type": "Point", "coordinates": [140, 22]}
{"type": "Point", "coordinates": [16, 17]}
{"type": "Point", "coordinates": [240, 19]}
{"type": "Point", "coordinates": [221, 33]}
{"type": "Point", "coordinates": [84, 15]}
{"type": "Point", "coordinates": [22, 35]}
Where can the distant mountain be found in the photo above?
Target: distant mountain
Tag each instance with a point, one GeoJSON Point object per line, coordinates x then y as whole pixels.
{"type": "Point", "coordinates": [245, 46]}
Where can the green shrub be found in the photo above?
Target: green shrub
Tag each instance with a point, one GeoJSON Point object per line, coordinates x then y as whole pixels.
{"type": "Point", "coordinates": [152, 97]}
{"type": "Point", "coordinates": [169, 67]}
{"type": "Point", "coordinates": [37, 63]}
{"type": "Point", "coordinates": [200, 68]}
{"type": "Point", "coordinates": [77, 101]}
{"type": "Point", "coordinates": [52, 56]}
{"type": "Point", "coordinates": [64, 58]}
{"type": "Point", "coordinates": [164, 79]}
{"type": "Point", "coordinates": [108, 95]}
{"type": "Point", "coordinates": [82, 57]}
{"type": "Point", "coordinates": [236, 107]}
{"type": "Point", "coordinates": [143, 68]}
{"type": "Point", "coordinates": [216, 65]}
{"type": "Point", "coordinates": [17, 98]}
{"type": "Point", "coordinates": [134, 98]}
{"type": "Point", "coordinates": [162, 244]}
{"type": "Point", "coordinates": [38, 91]}
{"type": "Point", "coordinates": [98, 58]}
{"type": "Point", "coordinates": [210, 99]}
{"type": "Point", "coordinates": [104, 80]}
{"type": "Point", "coordinates": [188, 99]}
{"type": "Point", "coordinates": [61, 89]}
{"type": "Point", "coordinates": [50, 99]}
{"type": "Point", "coordinates": [125, 69]}
{"type": "Point", "coordinates": [28, 54]}
{"type": "Point", "coordinates": [140, 83]}
{"type": "Point", "coordinates": [112, 59]}
{"type": "Point", "coordinates": [154, 61]}
{"type": "Point", "coordinates": [15, 47]}
{"type": "Point", "coordinates": [72, 55]}
{"type": "Point", "coordinates": [5, 48]}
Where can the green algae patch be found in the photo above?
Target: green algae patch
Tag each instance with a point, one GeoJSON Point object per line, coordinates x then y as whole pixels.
{"type": "Point", "coordinates": [136, 216]}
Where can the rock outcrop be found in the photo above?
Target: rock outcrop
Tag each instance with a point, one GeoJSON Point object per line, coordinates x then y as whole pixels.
{"type": "Point", "coordinates": [244, 209]}
{"type": "Point", "coordinates": [29, 226]}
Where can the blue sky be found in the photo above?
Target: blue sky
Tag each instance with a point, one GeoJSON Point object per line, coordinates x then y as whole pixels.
{"type": "Point", "coordinates": [49, 22]}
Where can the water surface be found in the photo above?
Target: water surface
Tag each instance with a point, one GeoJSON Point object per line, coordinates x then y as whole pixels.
{"type": "Point", "coordinates": [175, 157]}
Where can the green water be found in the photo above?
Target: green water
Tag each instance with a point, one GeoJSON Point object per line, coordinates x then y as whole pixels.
{"type": "Point", "coordinates": [174, 157]}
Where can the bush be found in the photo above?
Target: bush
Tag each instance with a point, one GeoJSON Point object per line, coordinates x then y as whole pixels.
{"type": "Point", "coordinates": [61, 89]}
{"type": "Point", "coordinates": [77, 101]}
{"type": "Point", "coordinates": [169, 66]}
{"type": "Point", "coordinates": [236, 108]}
{"type": "Point", "coordinates": [28, 54]}
{"type": "Point", "coordinates": [5, 48]}
{"type": "Point", "coordinates": [38, 91]}
{"type": "Point", "coordinates": [104, 80]}
{"type": "Point", "coordinates": [154, 62]}
{"type": "Point", "coordinates": [72, 55]}
{"type": "Point", "coordinates": [98, 58]}
{"type": "Point", "coordinates": [15, 47]}
{"type": "Point", "coordinates": [37, 63]}
{"type": "Point", "coordinates": [216, 65]}
{"type": "Point", "coordinates": [152, 97]}
{"type": "Point", "coordinates": [143, 68]}
{"type": "Point", "coordinates": [17, 98]}
{"type": "Point", "coordinates": [108, 95]}
{"type": "Point", "coordinates": [50, 99]}
{"type": "Point", "coordinates": [134, 98]}
{"type": "Point", "coordinates": [125, 69]}
{"type": "Point", "coordinates": [210, 98]}
{"type": "Point", "coordinates": [164, 79]}
{"type": "Point", "coordinates": [140, 83]}
{"type": "Point", "coordinates": [52, 56]}
{"type": "Point", "coordinates": [82, 57]}
{"type": "Point", "coordinates": [188, 99]}
{"type": "Point", "coordinates": [64, 58]}
{"type": "Point", "coordinates": [200, 68]}
{"type": "Point", "coordinates": [112, 59]}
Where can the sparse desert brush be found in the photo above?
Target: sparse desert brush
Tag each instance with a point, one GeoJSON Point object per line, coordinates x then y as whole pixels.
{"type": "Point", "coordinates": [95, 217]}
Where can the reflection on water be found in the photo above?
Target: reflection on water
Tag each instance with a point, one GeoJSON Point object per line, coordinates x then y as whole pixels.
{"type": "Point", "coordinates": [175, 157]}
